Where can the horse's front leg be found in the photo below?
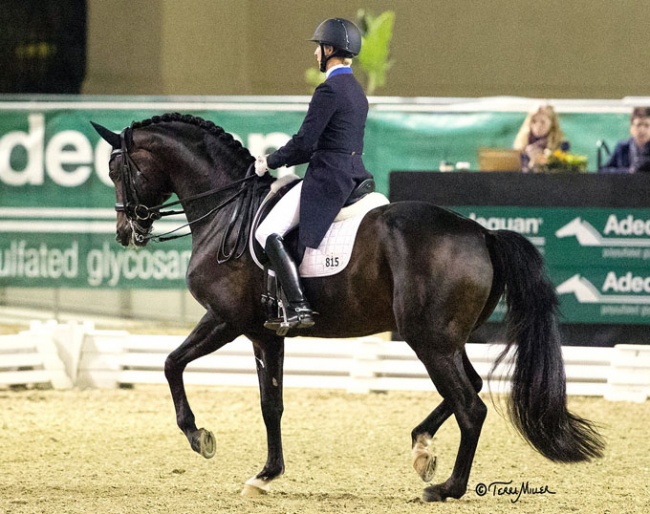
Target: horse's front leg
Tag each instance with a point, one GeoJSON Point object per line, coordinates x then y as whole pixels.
{"type": "Point", "coordinates": [207, 336]}
{"type": "Point", "coordinates": [269, 357]}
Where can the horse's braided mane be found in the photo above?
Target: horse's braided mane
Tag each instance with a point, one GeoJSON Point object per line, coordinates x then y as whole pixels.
{"type": "Point", "coordinates": [234, 235]}
{"type": "Point", "coordinates": [224, 137]}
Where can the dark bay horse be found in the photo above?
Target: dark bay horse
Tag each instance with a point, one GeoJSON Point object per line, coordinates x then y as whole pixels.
{"type": "Point", "coordinates": [418, 269]}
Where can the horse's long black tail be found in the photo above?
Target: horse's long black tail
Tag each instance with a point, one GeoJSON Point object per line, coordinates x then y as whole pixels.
{"type": "Point", "coordinates": [537, 404]}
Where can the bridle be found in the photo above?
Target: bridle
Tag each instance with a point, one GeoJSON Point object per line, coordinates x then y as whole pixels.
{"type": "Point", "coordinates": [141, 217]}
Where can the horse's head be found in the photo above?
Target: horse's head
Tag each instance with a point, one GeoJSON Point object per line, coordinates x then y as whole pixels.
{"type": "Point", "coordinates": [174, 153]}
{"type": "Point", "coordinates": [139, 191]}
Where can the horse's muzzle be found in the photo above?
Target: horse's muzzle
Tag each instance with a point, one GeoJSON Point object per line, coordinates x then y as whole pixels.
{"type": "Point", "coordinates": [131, 233]}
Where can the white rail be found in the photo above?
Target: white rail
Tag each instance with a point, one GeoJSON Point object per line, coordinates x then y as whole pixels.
{"type": "Point", "coordinates": [67, 355]}
{"type": "Point", "coordinates": [32, 358]}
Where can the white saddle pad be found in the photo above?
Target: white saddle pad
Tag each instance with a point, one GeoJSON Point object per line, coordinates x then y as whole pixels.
{"type": "Point", "coordinates": [333, 254]}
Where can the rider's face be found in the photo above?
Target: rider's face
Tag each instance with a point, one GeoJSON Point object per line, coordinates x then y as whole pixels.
{"type": "Point", "coordinates": [319, 55]}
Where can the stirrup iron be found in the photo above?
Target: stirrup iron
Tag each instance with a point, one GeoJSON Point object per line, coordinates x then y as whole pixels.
{"type": "Point", "coordinates": [299, 317]}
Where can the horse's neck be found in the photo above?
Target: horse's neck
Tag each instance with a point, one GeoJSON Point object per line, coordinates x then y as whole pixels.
{"type": "Point", "coordinates": [201, 180]}
{"type": "Point", "coordinates": [190, 180]}
{"type": "Point", "coordinates": [192, 171]}
{"type": "Point", "coordinates": [203, 185]}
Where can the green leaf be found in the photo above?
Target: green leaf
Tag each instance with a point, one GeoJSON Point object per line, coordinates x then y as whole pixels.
{"type": "Point", "coordinates": [314, 77]}
{"type": "Point", "coordinates": [375, 49]}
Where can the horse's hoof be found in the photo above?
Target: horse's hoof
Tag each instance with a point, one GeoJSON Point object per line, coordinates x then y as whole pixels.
{"type": "Point", "coordinates": [250, 491]}
{"type": "Point", "coordinates": [432, 494]}
{"type": "Point", "coordinates": [255, 487]}
{"type": "Point", "coordinates": [424, 461]}
{"type": "Point", "coordinates": [207, 443]}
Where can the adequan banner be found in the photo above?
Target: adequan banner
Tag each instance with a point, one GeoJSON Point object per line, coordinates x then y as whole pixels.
{"type": "Point", "coordinates": [57, 222]}
{"type": "Point", "coordinates": [598, 258]}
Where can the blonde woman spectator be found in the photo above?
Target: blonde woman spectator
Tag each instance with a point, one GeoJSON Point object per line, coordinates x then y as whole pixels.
{"type": "Point", "coordinates": [539, 136]}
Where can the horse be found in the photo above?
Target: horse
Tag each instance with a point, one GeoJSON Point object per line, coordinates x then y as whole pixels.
{"type": "Point", "coordinates": [422, 271]}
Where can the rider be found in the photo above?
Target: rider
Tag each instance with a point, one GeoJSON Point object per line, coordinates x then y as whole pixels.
{"type": "Point", "coordinates": [331, 140]}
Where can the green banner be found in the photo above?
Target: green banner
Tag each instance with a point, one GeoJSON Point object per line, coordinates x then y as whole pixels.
{"type": "Point", "coordinates": [598, 258]}
{"type": "Point", "coordinates": [57, 222]}
{"type": "Point", "coordinates": [78, 261]}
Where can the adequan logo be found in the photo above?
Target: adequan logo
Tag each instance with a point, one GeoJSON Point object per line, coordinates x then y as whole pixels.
{"type": "Point", "coordinates": [527, 226]}
{"type": "Point", "coordinates": [586, 292]}
{"type": "Point", "coordinates": [634, 229]}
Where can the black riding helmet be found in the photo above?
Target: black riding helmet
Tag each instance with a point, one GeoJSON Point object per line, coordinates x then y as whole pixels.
{"type": "Point", "coordinates": [339, 33]}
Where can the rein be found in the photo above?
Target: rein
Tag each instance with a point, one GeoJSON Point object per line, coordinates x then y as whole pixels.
{"type": "Point", "coordinates": [141, 217]}
{"type": "Point", "coordinates": [156, 214]}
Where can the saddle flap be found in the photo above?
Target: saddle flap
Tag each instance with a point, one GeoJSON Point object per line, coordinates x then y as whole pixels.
{"type": "Point", "coordinates": [279, 188]}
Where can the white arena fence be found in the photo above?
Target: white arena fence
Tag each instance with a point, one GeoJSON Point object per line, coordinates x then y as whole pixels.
{"type": "Point", "coordinates": [78, 355]}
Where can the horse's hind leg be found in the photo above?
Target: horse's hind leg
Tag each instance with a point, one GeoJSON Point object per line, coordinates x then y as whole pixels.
{"type": "Point", "coordinates": [269, 356]}
{"type": "Point", "coordinates": [206, 337]}
{"type": "Point", "coordinates": [424, 460]}
{"type": "Point", "coordinates": [461, 398]}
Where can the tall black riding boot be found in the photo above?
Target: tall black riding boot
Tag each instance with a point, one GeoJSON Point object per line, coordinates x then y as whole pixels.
{"type": "Point", "coordinates": [298, 311]}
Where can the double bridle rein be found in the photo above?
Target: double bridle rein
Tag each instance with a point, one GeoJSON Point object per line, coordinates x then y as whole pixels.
{"type": "Point", "coordinates": [141, 217]}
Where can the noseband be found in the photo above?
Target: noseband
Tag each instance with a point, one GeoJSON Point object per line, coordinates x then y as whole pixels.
{"type": "Point", "coordinates": [140, 216]}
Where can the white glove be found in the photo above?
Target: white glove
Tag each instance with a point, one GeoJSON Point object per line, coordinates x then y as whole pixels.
{"type": "Point", "coordinates": [261, 166]}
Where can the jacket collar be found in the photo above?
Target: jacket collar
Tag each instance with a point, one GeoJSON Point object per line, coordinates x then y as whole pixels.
{"type": "Point", "coordinates": [339, 69]}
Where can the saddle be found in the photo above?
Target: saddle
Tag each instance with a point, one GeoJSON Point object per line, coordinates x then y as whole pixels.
{"type": "Point", "coordinates": [279, 188]}
{"type": "Point", "coordinates": [273, 297]}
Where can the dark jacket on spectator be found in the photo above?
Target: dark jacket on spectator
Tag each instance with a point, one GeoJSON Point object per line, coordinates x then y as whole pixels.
{"type": "Point", "coordinates": [627, 158]}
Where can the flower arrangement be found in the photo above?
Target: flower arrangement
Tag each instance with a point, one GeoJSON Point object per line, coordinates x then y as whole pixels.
{"type": "Point", "coordinates": [561, 161]}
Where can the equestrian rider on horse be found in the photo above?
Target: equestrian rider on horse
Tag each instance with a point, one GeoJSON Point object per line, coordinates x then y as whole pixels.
{"type": "Point", "coordinates": [330, 139]}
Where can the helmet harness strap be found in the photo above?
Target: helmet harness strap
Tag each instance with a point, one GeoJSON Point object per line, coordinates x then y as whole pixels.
{"type": "Point", "coordinates": [323, 58]}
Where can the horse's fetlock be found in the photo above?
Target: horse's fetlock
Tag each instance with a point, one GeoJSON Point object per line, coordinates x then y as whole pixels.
{"type": "Point", "coordinates": [417, 436]}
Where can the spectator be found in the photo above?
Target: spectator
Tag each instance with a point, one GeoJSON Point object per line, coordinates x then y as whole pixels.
{"type": "Point", "coordinates": [539, 136]}
{"type": "Point", "coordinates": [633, 154]}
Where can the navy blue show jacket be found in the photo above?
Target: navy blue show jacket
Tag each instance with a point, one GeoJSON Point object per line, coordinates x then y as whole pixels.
{"type": "Point", "coordinates": [331, 140]}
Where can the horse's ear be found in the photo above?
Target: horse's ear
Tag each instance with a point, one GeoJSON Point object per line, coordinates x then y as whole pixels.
{"type": "Point", "coordinates": [107, 135]}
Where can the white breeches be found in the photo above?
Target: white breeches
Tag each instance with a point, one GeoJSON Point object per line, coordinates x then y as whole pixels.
{"type": "Point", "coordinates": [282, 218]}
